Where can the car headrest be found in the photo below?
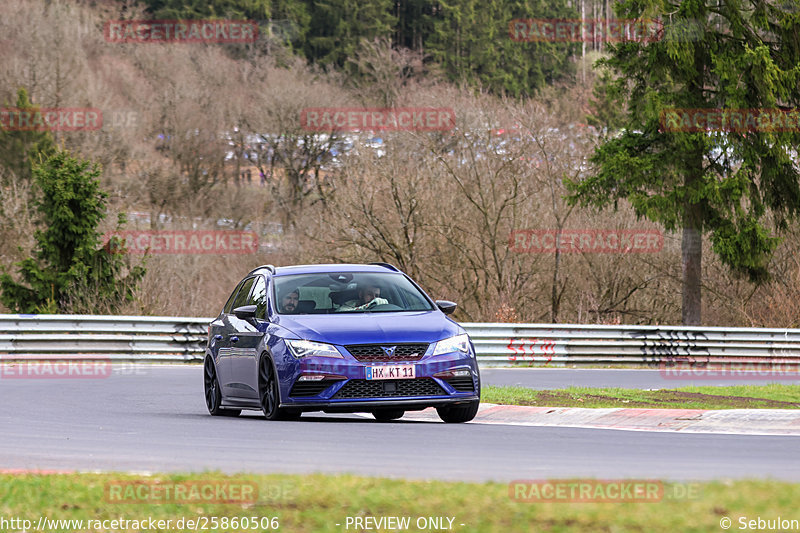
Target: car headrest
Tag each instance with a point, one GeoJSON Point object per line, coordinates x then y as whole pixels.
{"type": "Point", "coordinates": [344, 296]}
{"type": "Point", "coordinates": [305, 306]}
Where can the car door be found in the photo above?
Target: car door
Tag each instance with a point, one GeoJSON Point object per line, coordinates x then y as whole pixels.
{"type": "Point", "coordinates": [249, 366]}
{"type": "Point", "coordinates": [219, 344]}
{"type": "Point", "coordinates": [233, 328]}
{"type": "Point", "coordinates": [244, 382]}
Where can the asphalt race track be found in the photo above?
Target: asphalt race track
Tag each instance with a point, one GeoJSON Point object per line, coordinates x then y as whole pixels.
{"type": "Point", "coordinates": [153, 418]}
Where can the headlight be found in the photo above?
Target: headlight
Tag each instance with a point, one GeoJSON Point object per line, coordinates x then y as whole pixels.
{"type": "Point", "coordinates": [312, 349]}
{"type": "Point", "coordinates": [459, 343]}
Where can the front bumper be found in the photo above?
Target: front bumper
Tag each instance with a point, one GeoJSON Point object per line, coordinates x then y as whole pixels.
{"type": "Point", "coordinates": [345, 383]}
{"type": "Point", "coordinates": [369, 405]}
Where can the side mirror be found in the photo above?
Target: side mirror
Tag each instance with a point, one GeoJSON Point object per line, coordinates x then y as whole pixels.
{"type": "Point", "coordinates": [245, 312]}
{"type": "Point", "coordinates": [445, 306]}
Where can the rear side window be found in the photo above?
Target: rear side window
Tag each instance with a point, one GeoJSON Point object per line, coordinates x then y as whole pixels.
{"type": "Point", "coordinates": [229, 304]}
{"type": "Point", "coordinates": [244, 292]}
{"type": "Point", "coordinates": [258, 297]}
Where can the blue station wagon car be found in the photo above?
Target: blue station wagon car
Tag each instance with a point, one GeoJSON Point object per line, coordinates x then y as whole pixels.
{"type": "Point", "coordinates": [338, 338]}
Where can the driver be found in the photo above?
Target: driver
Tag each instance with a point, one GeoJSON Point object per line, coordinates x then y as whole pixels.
{"type": "Point", "coordinates": [289, 301]}
{"type": "Point", "coordinates": [368, 297]}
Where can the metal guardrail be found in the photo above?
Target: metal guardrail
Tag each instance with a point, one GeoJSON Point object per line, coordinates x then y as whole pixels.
{"type": "Point", "coordinates": [131, 338]}
{"type": "Point", "coordinates": [653, 346]}
{"type": "Point", "coordinates": [124, 338]}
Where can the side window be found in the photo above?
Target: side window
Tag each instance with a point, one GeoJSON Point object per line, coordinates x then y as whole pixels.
{"type": "Point", "coordinates": [244, 292]}
{"type": "Point", "coordinates": [229, 304]}
{"type": "Point", "coordinates": [258, 297]}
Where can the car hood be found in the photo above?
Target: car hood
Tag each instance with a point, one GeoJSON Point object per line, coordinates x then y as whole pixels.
{"type": "Point", "coordinates": [369, 328]}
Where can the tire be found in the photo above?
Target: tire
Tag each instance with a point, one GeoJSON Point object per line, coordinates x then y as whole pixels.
{"type": "Point", "coordinates": [457, 414]}
{"type": "Point", "coordinates": [269, 395]}
{"type": "Point", "coordinates": [387, 415]}
{"type": "Point", "coordinates": [212, 391]}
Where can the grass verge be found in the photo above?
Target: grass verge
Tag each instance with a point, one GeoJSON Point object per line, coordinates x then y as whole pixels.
{"type": "Point", "coordinates": [319, 502]}
{"type": "Point", "coordinates": [772, 396]}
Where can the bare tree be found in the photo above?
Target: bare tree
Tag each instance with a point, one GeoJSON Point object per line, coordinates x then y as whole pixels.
{"type": "Point", "coordinates": [383, 71]}
{"type": "Point", "coordinates": [291, 155]}
{"type": "Point", "coordinates": [385, 207]}
{"type": "Point", "coordinates": [560, 152]}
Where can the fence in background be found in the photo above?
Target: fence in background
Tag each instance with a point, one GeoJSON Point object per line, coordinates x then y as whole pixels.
{"type": "Point", "coordinates": [133, 338]}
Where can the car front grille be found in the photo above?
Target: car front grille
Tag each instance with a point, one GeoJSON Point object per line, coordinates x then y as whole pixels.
{"type": "Point", "coordinates": [376, 352]}
{"type": "Point", "coordinates": [311, 388]}
{"type": "Point", "coordinates": [462, 384]}
{"type": "Point", "coordinates": [389, 388]}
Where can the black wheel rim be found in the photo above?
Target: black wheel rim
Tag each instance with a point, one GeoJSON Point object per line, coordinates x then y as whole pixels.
{"type": "Point", "coordinates": [268, 399]}
{"type": "Point", "coordinates": [210, 380]}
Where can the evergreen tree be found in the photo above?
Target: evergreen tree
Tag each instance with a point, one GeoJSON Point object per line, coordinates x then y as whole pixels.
{"type": "Point", "coordinates": [290, 22]}
{"type": "Point", "coordinates": [471, 41]}
{"type": "Point", "coordinates": [256, 10]}
{"type": "Point", "coordinates": [469, 38]}
{"type": "Point", "coordinates": [741, 54]}
{"type": "Point", "coordinates": [607, 105]}
{"type": "Point", "coordinates": [338, 26]}
{"type": "Point", "coordinates": [414, 23]}
{"type": "Point", "coordinates": [68, 265]}
{"type": "Point", "coordinates": [19, 148]}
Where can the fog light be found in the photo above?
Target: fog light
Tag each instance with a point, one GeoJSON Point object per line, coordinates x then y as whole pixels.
{"type": "Point", "coordinates": [460, 373]}
{"type": "Point", "coordinates": [320, 377]}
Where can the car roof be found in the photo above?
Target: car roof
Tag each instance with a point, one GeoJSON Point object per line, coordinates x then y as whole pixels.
{"type": "Point", "coordinates": [327, 268]}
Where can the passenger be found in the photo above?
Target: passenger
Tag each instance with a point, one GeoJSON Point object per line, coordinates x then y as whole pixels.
{"type": "Point", "coordinates": [368, 297]}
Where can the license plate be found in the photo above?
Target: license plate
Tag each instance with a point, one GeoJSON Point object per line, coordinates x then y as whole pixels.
{"type": "Point", "coordinates": [390, 372]}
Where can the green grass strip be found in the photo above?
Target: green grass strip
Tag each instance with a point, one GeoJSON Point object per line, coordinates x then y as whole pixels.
{"type": "Point", "coordinates": [317, 503]}
{"type": "Point", "coordinates": [774, 396]}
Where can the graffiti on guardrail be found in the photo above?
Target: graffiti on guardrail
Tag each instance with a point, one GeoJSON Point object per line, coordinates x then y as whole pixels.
{"type": "Point", "coordinates": [527, 349]}
{"type": "Point", "coordinates": [191, 328]}
{"type": "Point", "coordinates": [663, 348]}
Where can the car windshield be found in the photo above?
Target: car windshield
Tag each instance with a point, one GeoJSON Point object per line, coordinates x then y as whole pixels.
{"type": "Point", "coordinates": [347, 292]}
